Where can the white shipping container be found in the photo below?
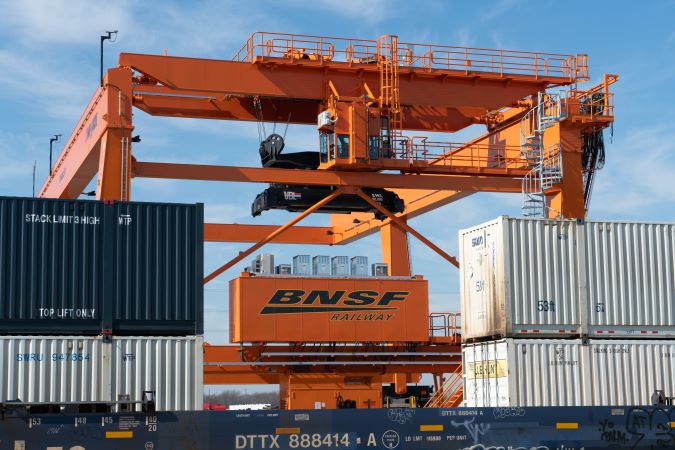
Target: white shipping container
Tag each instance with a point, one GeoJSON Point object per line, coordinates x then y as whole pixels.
{"type": "Point", "coordinates": [557, 372]}
{"type": "Point", "coordinates": [87, 369]}
{"type": "Point", "coordinates": [557, 278]}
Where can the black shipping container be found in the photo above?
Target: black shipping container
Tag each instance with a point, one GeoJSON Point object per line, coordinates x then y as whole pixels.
{"type": "Point", "coordinates": [85, 267]}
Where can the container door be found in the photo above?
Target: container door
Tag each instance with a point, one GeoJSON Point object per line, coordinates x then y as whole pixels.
{"type": "Point", "coordinates": [482, 304]}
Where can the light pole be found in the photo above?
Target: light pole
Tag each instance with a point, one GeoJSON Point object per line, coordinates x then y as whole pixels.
{"type": "Point", "coordinates": [55, 138]}
{"type": "Point", "coordinates": [107, 36]}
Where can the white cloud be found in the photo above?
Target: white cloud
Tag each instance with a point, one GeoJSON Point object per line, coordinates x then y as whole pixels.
{"type": "Point", "coordinates": [495, 10]}
{"type": "Point", "coordinates": [637, 179]}
{"type": "Point", "coordinates": [47, 87]}
{"type": "Point", "coordinates": [18, 152]}
{"type": "Point", "coordinates": [215, 29]}
{"type": "Point", "coordinates": [63, 21]}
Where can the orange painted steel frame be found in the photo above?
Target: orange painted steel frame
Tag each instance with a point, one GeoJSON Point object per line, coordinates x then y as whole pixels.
{"type": "Point", "coordinates": [324, 391]}
{"type": "Point", "coordinates": [293, 78]}
{"type": "Point", "coordinates": [449, 91]}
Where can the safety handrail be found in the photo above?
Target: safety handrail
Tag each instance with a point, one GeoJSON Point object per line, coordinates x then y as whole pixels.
{"type": "Point", "coordinates": [451, 388]}
{"type": "Point", "coordinates": [451, 154]}
{"type": "Point", "coordinates": [413, 55]}
{"type": "Point", "coordinates": [593, 102]}
{"type": "Point", "coordinates": [445, 324]}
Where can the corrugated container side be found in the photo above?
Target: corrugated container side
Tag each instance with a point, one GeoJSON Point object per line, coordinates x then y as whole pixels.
{"type": "Point", "coordinates": [86, 369]}
{"type": "Point", "coordinates": [58, 369]}
{"type": "Point", "coordinates": [171, 367]}
{"type": "Point", "coordinates": [536, 372]}
{"type": "Point", "coordinates": [548, 373]}
{"type": "Point", "coordinates": [71, 266]}
{"type": "Point", "coordinates": [158, 268]}
{"type": "Point", "coordinates": [541, 282]}
{"type": "Point", "coordinates": [522, 372]}
{"type": "Point", "coordinates": [555, 278]}
{"type": "Point", "coordinates": [51, 265]}
{"type": "Point", "coordinates": [628, 372]}
{"type": "Point", "coordinates": [631, 277]}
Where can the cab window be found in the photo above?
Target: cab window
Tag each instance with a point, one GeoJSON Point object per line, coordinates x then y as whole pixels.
{"type": "Point", "coordinates": [323, 147]}
{"type": "Point", "coordinates": [343, 146]}
{"type": "Point", "coordinates": [374, 147]}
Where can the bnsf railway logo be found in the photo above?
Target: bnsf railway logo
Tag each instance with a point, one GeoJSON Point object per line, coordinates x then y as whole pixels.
{"type": "Point", "coordinates": [354, 305]}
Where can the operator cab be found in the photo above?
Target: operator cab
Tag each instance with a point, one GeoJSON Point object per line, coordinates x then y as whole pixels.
{"type": "Point", "coordinates": [353, 137]}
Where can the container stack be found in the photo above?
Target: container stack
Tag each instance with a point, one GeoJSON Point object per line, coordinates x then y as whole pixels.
{"type": "Point", "coordinates": [101, 302]}
{"type": "Point", "coordinates": [567, 313]}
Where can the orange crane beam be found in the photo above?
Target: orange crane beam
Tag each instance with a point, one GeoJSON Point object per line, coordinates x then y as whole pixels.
{"type": "Point", "coordinates": [203, 172]}
{"type": "Point", "coordinates": [220, 232]}
{"type": "Point", "coordinates": [438, 100]}
{"type": "Point", "coordinates": [162, 101]}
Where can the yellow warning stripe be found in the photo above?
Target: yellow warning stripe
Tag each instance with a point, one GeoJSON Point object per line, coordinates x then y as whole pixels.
{"type": "Point", "coordinates": [119, 434]}
{"type": "Point", "coordinates": [431, 427]}
{"type": "Point", "coordinates": [295, 430]}
{"type": "Point", "coordinates": [567, 426]}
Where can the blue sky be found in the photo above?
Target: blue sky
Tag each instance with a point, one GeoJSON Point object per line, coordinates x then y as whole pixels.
{"type": "Point", "coordinates": [49, 70]}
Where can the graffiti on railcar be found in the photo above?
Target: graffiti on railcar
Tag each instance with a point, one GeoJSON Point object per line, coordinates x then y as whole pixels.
{"type": "Point", "coordinates": [475, 430]}
{"type": "Point", "coordinates": [611, 434]}
{"type": "Point", "coordinates": [651, 424]}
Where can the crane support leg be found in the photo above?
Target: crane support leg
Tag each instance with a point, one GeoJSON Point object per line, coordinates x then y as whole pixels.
{"type": "Point", "coordinates": [96, 144]}
{"type": "Point", "coordinates": [114, 167]}
{"type": "Point", "coordinates": [568, 202]}
{"type": "Point", "coordinates": [273, 235]}
{"type": "Point", "coordinates": [406, 227]}
{"type": "Point", "coordinates": [395, 249]}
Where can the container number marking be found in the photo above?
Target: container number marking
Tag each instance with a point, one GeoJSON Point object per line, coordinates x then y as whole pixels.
{"type": "Point", "coordinates": [306, 440]}
{"type": "Point", "coordinates": [316, 440]}
{"type": "Point", "coordinates": [600, 307]}
{"type": "Point", "coordinates": [546, 305]}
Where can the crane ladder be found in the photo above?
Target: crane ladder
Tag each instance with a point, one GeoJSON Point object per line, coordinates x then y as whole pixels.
{"type": "Point", "coordinates": [387, 51]}
{"type": "Point", "coordinates": [545, 163]}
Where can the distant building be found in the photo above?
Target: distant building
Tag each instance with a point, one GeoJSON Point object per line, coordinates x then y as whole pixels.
{"type": "Point", "coordinates": [284, 269]}
{"type": "Point", "coordinates": [263, 264]}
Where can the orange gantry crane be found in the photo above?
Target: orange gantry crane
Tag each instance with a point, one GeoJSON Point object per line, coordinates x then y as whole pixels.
{"type": "Point", "coordinates": [372, 103]}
